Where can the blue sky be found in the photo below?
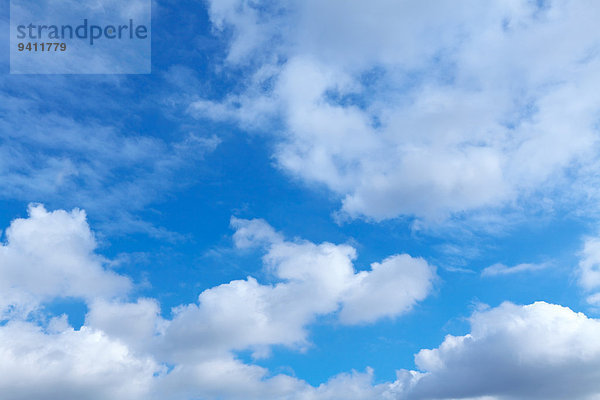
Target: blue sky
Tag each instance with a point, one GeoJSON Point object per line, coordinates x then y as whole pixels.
{"type": "Point", "coordinates": [310, 200]}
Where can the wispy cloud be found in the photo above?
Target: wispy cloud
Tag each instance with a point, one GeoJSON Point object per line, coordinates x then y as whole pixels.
{"type": "Point", "coordinates": [73, 154]}
{"type": "Point", "coordinates": [501, 269]}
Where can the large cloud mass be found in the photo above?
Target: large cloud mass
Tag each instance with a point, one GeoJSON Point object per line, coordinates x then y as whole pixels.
{"type": "Point", "coordinates": [539, 351]}
{"type": "Point", "coordinates": [424, 109]}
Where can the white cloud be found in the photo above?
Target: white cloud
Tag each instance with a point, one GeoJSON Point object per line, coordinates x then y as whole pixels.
{"type": "Point", "coordinates": [426, 109]}
{"type": "Point", "coordinates": [589, 265]}
{"type": "Point", "coordinates": [594, 299]}
{"type": "Point", "coordinates": [501, 269]}
{"type": "Point", "coordinates": [50, 255]}
{"type": "Point", "coordinates": [308, 280]}
{"type": "Point", "coordinates": [67, 364]}
{"type": "Point", "coordinates": [60, 363]}
{"type": "Point", "coordinates": [389, 288]}
{"type": "Point", "coordinates": [250, 233]}
{"type": "Point", "coordinates": [392, 287]}
{"type": "Point", "coordinates": [135, 324]}
{"type": "Point", "coordinates": [539, 351]}
{"type": "Point", "coordinates": [229, 379]}
{"type": "Point", "coordinates": [246, 16]}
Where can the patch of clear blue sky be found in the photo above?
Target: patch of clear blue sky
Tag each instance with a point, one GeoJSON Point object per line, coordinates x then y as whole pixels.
{"type": "Point", "coordinates": [239, 178]}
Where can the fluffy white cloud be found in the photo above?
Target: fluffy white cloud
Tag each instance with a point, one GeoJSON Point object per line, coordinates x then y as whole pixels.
{"type": "Point", "coordinates": [391, 288]}
{"type": "Point", "coordinates": [424, 109]}
{"type": "Point", "coordinates": [50, 255]}
{"type": "Point", "coordinates": [229, 379]}
{"type": "Point", "coordinates": [135, 324]}
{"type": "Point", "coordinates": [309, 280]}
{"type": "Point", "coordinates": [67, 364]}
{"type": "Point", "coordinates": [539, 351]}
{"type": "Point", "coordinates": [59, 363]}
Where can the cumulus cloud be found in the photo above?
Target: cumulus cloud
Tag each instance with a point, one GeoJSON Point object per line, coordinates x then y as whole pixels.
{"type": "Point", "coordinates": [231, 380]}
{"type": "Point", "coordinates": [538, 351]}
{"type": "Point", "coordinates": [589, 265]}
{"type": "Point", "coordinates": [135, 324]}
{"type": "Point", "coordinates": [400, 110]}
{"type": "Point", "coordinates": [50, 255]}
{"type": "Point", "coordinates": [308, 280]}
{"type": "Point", "coordinates": [390, 288]}
{"type": "Point", "coordinates": [59, 363]}
{"type": "Point", "coordinates": [69, 364]}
